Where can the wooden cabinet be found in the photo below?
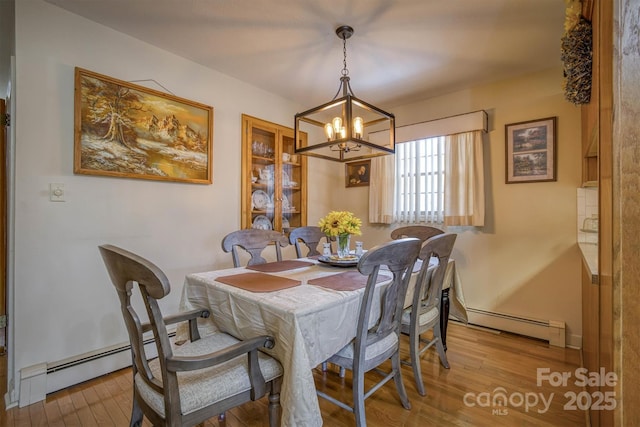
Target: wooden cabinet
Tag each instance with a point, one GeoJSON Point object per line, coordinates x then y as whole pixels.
{"type": "Point", "coordinates": [598, 299]}
{"type": "Point", "coordinates": [274, 179]}
{"type": "Point", "coordinates": [590, 329]}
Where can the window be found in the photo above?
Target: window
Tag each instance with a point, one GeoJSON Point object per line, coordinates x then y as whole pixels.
{"type": "Point", "coordinates": [419, 191]}
{"type": "Point", "coordinates": [432, 178]}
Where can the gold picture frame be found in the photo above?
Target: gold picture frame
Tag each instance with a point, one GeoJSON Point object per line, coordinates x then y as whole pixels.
{"type": "Point", "coordinates": [531, 151]}
{"type": "Point", "coordinates": [130, 131]}
{"type": "Point", "coordinates": [357, 173]}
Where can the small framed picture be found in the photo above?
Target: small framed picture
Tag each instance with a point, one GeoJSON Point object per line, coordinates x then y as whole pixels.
{"type": "Point", "coordinates": [357, 173]}
{"type": "Point", "coordinates": [531, 151]}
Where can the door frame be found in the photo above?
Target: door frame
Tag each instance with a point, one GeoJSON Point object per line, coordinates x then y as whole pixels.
{"type": "Point", "coordinates": [3, 226]}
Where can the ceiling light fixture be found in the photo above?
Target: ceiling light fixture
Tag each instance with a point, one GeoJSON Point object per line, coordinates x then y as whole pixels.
{"type": "Point", "coordinates": [345, 128]}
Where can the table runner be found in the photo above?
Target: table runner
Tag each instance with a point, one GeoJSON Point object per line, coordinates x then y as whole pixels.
{"type": "Point", "coordinates": [272, 267]}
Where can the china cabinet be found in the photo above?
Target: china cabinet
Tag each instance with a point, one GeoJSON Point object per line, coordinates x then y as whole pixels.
{"type": "Point", "coordinates": [274, 179]}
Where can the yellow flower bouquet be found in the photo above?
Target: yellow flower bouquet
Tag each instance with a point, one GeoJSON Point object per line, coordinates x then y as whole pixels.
{"type": "Point", "coordinates": [341, 224]}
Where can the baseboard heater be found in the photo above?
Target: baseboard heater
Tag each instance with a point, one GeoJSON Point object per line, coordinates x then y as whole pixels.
{"type": "Point", "coordinates": [548, 330]}
{"type": "Point", "coordinates": [39, 380]}
{"type": "Point", "coordinates": [88, 357]}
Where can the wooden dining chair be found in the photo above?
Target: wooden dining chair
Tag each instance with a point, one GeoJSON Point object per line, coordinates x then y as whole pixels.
{"type": "Point", "coordinates": [424, 313]}
{"type": "Point", "coordinates": [378, 338]}
{"type": "Point", "coordinates": [309, 236]}
{"type": "Point", "coordinates": [422, 232]}
{"type": "Point", "coordinates": [198, 379]}
{"type": "Point", "coordinates": [254, 241]}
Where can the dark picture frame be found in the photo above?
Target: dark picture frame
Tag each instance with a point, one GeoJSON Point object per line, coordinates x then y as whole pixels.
{"type": "Point", "coordinates": [130, 131]}
{"type": "Point", "coordinates": [357, 174]}
{"type": "Point", "coordinates": [531, 154]}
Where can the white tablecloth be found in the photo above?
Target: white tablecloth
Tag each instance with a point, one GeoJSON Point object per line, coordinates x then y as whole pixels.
{"type": "Point", "coordinates": [458, 307]}
{"type": "Point", "coordinates": [309, 323]}
{"type": "Point", "coordinates": [452, 282]}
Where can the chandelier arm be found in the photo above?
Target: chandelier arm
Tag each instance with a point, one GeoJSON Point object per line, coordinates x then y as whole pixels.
{"type": "Point", "coordinates": [349, 88]}
{"type": "Point", "coordinates": [338, 92]}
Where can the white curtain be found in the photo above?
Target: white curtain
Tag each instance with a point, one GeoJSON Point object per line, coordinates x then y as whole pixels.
{"type": "Point", "coordinates": [400, 198]}
{"type": "Point", "coordinates": [464, 179]}
{"type": "Point", "coordinates": [381, 187]}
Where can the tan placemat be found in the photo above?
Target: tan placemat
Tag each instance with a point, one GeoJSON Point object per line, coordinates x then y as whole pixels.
{"type": "Point", "coordinates": [258, 282]}
{"type": "Point", "coordinates": [347, 281]}
{"type": "Point", "coordinates": [272, 267]}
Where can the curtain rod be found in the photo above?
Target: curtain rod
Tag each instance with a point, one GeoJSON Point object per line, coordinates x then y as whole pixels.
{"type": "Point", "coordinates": [442, 118]}
{"type": "Point", "coordinates": [435, 120]}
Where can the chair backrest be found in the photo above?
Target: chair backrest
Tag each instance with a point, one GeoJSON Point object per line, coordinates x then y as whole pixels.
{"type": "Point", "coordinates": [398, 258]}
{"type": "Point", "coordinates": [253, 241]}
{"type": "Point", "coordinates": [309, 236]}
{"type": "Point", "coordinates": [422, 232]}
{"type": "Point", "coordinates": [429, 285]}
{"type": "Point", "coordinates": [125, 269]}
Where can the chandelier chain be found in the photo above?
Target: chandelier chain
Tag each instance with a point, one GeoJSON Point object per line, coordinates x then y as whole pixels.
{"type": "Point", "coordinates": [345, 71]}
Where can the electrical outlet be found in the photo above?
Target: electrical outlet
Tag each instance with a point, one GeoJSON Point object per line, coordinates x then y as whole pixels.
{"type": "Point", "coordinates": [56, 192]}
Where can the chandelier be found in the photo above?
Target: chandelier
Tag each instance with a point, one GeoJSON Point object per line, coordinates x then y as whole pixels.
{"type": "Point", "coordinates": [345, 128]}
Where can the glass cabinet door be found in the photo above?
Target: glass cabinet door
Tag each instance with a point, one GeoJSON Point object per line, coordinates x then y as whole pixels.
{"type": "Point", "coordinates": [292, 189]}
{"type": "Point", "coordinates": [273, 177]}
{"type": "Point", "coordinates": [262, 173]}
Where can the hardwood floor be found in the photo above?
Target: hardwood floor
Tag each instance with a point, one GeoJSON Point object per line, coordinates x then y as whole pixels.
{"type": "Point", "coordinates": [484, 364]}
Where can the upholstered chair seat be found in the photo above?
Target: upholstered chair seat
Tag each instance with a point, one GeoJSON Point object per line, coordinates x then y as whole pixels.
{"type": "Point", "coordinates": [222, 381]}
{"type": "Point", "coordinates": [424, 319]}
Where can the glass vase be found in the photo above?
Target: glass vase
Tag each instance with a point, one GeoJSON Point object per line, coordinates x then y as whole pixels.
{"type": "Point", "coordinates": [343, 245]}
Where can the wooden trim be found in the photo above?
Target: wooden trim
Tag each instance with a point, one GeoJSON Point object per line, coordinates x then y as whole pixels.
{"type": "Point", "coordinates": [604, 38]}
{"type": "Point", "coordinates": [587, 9]}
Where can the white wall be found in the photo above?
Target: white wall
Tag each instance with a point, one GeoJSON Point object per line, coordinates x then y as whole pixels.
{"type": "Point", "coordinates": [64, 302]}
{"type": "Point", "coordinates": [525, 260]}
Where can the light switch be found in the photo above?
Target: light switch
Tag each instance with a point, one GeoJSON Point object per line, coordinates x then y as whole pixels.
{"type": "Point", "coordinates": [56, 192]}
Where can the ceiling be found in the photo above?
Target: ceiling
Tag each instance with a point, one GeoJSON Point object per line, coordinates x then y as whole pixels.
{"type": "Point", "coordinates": [402, 50]}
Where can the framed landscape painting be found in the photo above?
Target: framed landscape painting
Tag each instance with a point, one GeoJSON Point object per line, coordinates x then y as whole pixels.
{"type": "Point", "coordinates": [130, 131]}
{"type": "Point", "coordinates": [531, 151]}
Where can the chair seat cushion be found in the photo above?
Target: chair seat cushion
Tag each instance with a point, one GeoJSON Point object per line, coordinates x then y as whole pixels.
{"type": "Point", "coordinates": [372, 351]}
{"type": "Point", "coordinates": [206, 386]}
{"type": "Point", "coordinates": [424, 318]}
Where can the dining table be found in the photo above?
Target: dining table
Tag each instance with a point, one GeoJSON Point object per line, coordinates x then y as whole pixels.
{"type": "Point", "coordinates": [311, 309]}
